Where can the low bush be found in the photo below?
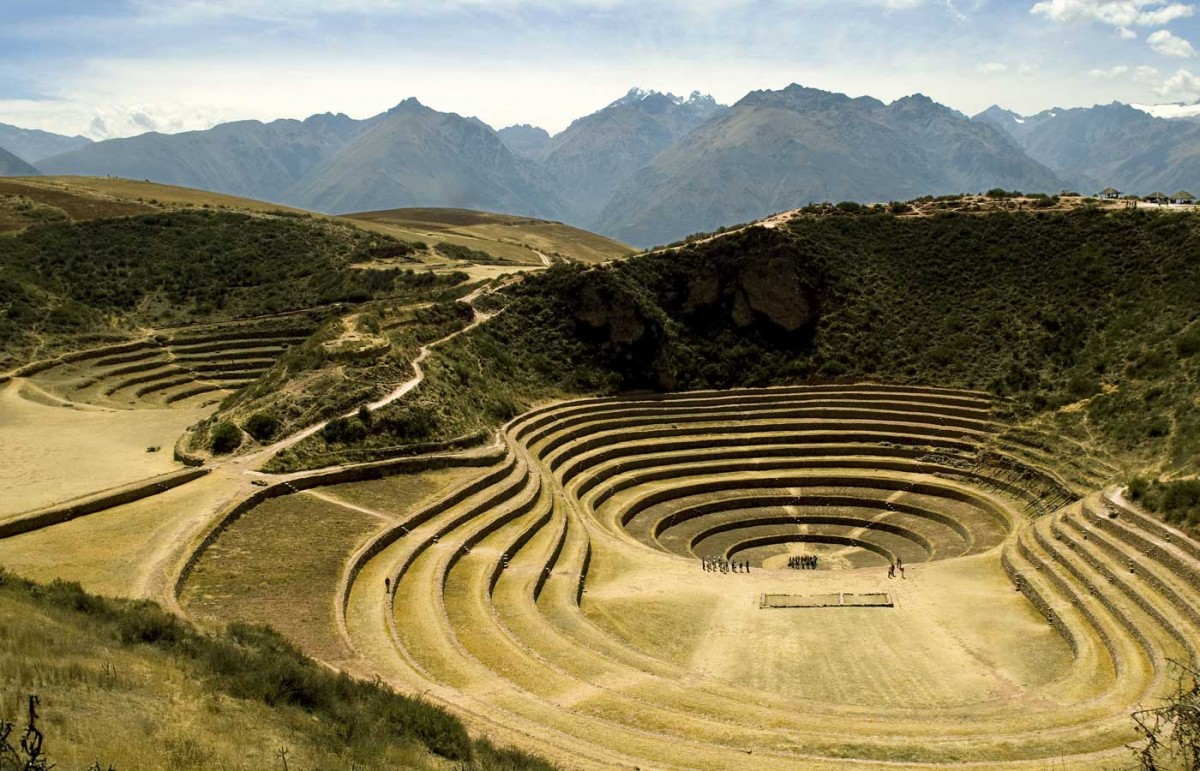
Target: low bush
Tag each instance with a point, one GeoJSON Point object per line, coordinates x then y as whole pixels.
{"type": "Point", "coordinates": [226, 437]}
{"type": "Point", "coordinates": [1178, 501]}
{"type": "Point", "coordinates": [262, 426]}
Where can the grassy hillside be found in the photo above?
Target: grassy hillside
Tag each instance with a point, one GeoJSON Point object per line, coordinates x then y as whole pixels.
{"type": "Point", "coordinates": [1085, 320]}
{"type": "Point", "coordinates": [107, 275]}
{"type": "Point", "coordinates": [517, 239]}
{"type": "Point", "coordinates": [127, 685]}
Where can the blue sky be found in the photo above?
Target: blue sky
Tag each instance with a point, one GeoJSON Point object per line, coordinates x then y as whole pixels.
{"type": "Point", "coordinates": [119, 67]}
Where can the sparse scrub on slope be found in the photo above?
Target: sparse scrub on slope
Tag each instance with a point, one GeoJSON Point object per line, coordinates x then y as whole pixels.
{"type": "Point", "coordinates": [334, 719]}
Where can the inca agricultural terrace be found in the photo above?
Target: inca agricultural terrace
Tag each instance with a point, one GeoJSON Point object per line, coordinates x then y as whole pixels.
{"type": "Point", "coordinates": [856, 487]}
{"type": "Point", "coordinates": [579, 596]}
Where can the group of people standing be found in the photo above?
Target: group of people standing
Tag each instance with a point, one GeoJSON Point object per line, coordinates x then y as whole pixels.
{"type": "Point", "coordinates": [897, 566]}
{"type": "Point", "coordinates": [722, 565]}
{"type": "Point", "coordinates": [803, 562]}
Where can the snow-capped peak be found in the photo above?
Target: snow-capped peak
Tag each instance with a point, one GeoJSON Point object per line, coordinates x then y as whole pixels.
{"type": "Point", "coordinates": [636, 95]}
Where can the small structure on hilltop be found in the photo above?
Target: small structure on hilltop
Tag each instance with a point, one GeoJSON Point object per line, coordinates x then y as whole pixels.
{"type": "Point", "coordinates": [1157, 198]}
{"type": "Point", "coordinates": [1183, 197]}
{"type": "Point", "coordinates": [1109, 192]}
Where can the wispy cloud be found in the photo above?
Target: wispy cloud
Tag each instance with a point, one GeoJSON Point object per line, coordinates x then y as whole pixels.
{"type": "Point", "coordinates": [1122, 14]}
{"type": "Point", "coordinates": [1182, 85]}
{"type": "Point", "coordinates": [1164, 43]}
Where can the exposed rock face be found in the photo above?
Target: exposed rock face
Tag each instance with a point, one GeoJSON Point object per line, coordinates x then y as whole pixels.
{"type": "Point", "coordinates": [615, 315]}
{"type": "Point", "coordinates": [773, 287]}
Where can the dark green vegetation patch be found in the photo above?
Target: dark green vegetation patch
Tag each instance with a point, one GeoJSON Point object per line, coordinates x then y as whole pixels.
{"type": "Point", "coordinates": [159, 269]}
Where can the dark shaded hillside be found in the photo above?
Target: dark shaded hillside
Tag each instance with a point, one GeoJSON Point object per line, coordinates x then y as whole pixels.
{"type": "Point", "coordinates": [1088, 319]}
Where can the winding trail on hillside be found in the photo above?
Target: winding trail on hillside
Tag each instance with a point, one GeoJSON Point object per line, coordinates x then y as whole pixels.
{"type": "Point", "coordinates": [251, 461]}
{"type": "Point", "coordinates": [239, 477]}
{"type": "Point", "coordinates": [173, 526]}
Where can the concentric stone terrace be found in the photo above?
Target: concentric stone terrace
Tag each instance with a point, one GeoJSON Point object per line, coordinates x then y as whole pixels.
{"type": "Point", "coordinates": [177, 368]}
{"type": "Point", "coordinates": [561, 600]}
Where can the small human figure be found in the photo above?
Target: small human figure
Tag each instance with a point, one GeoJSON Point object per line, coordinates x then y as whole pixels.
{"type": "Point", "coordinates": [900, 563]}
{"type": "Point", "coordinates": [900, 568]}
{"type": "Point", "coordinates": [892, 570]}
{"type": "Point", "coordinates": [387, 585]}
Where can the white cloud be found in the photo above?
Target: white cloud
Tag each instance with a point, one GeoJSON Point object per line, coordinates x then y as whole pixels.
{"type": "Point", "coordinates": [991, 68]}
{"type": "Point", "coordinates": [1109, 74]}
{"type": "Point", "coordinates": [1122, 14]}
{"type": "Point", "coordinates": [1125, 33]}
{"type": "Point", "coordinates": [1182, 85]}
{"type": "Point", "coordinates": [1145, 74]}
{"type": "Point", "coordinates": [1166, 44]}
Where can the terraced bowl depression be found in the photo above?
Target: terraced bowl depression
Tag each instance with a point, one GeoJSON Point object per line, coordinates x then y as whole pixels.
{"type": "Point", "coordinates": [577, 598]}
{"type": "Point", "coordinates": [176, 368]}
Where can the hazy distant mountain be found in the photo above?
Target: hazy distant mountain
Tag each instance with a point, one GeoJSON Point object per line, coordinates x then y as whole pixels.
{"type": "Point", "coordinates": [12, 166]}
{"type": "Point", "coordinates": [597, 153]}
{"type": "Point", "coordinates": [32, 145]}
{"type": "Point", "coordinates": [248, 158]}
{"type": "Point", "coordinates": [524, 140]}
{"type": "Point", "coordinates": [776, 150]}
{"type": "Point", "coordinates": [415, 156]}
{"type": "Point", "coordinates": [1108, 145]}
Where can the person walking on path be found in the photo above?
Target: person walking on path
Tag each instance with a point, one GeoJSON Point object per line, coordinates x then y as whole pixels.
{"type": "Point", "coordinates": [387, 585]}
{"type": "Point", "coordinates": [892, 570]}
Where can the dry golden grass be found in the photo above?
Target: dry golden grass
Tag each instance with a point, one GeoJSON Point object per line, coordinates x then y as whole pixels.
{"type": "Point", "coordinates": [54, 453]}
{"type": "Point", "coordinates": [518, 239]}
{"type": "Point", "coordinates": [140, 708]}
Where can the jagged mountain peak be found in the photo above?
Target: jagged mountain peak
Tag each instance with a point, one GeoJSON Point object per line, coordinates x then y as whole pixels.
{"type": "Point", "coordinates": [649, 98]}
{"type": "Point", "coordinates": [804, 99]}
{"type": "Point", "coordinates": [409, 105]}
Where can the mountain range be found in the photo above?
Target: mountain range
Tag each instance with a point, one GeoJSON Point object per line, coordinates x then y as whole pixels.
{"type": "Point", "coordinates": [32, 145]}
{"type": "Point", "coordinates": [649, 167]}
{"type": "Point", "coordinates": [1111, 145]}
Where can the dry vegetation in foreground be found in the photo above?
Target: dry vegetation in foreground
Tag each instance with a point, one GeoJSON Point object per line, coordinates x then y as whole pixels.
{"type": "Point", "coordinates": [127, 685]}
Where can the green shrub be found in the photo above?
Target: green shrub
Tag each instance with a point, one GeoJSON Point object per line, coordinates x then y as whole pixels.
{"type": "Point", "coordinates": [225, 438]}
{"type": "Point", "coordinates": [344, 431]}
{"type": "Point", "coordinates": [262, 426]}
